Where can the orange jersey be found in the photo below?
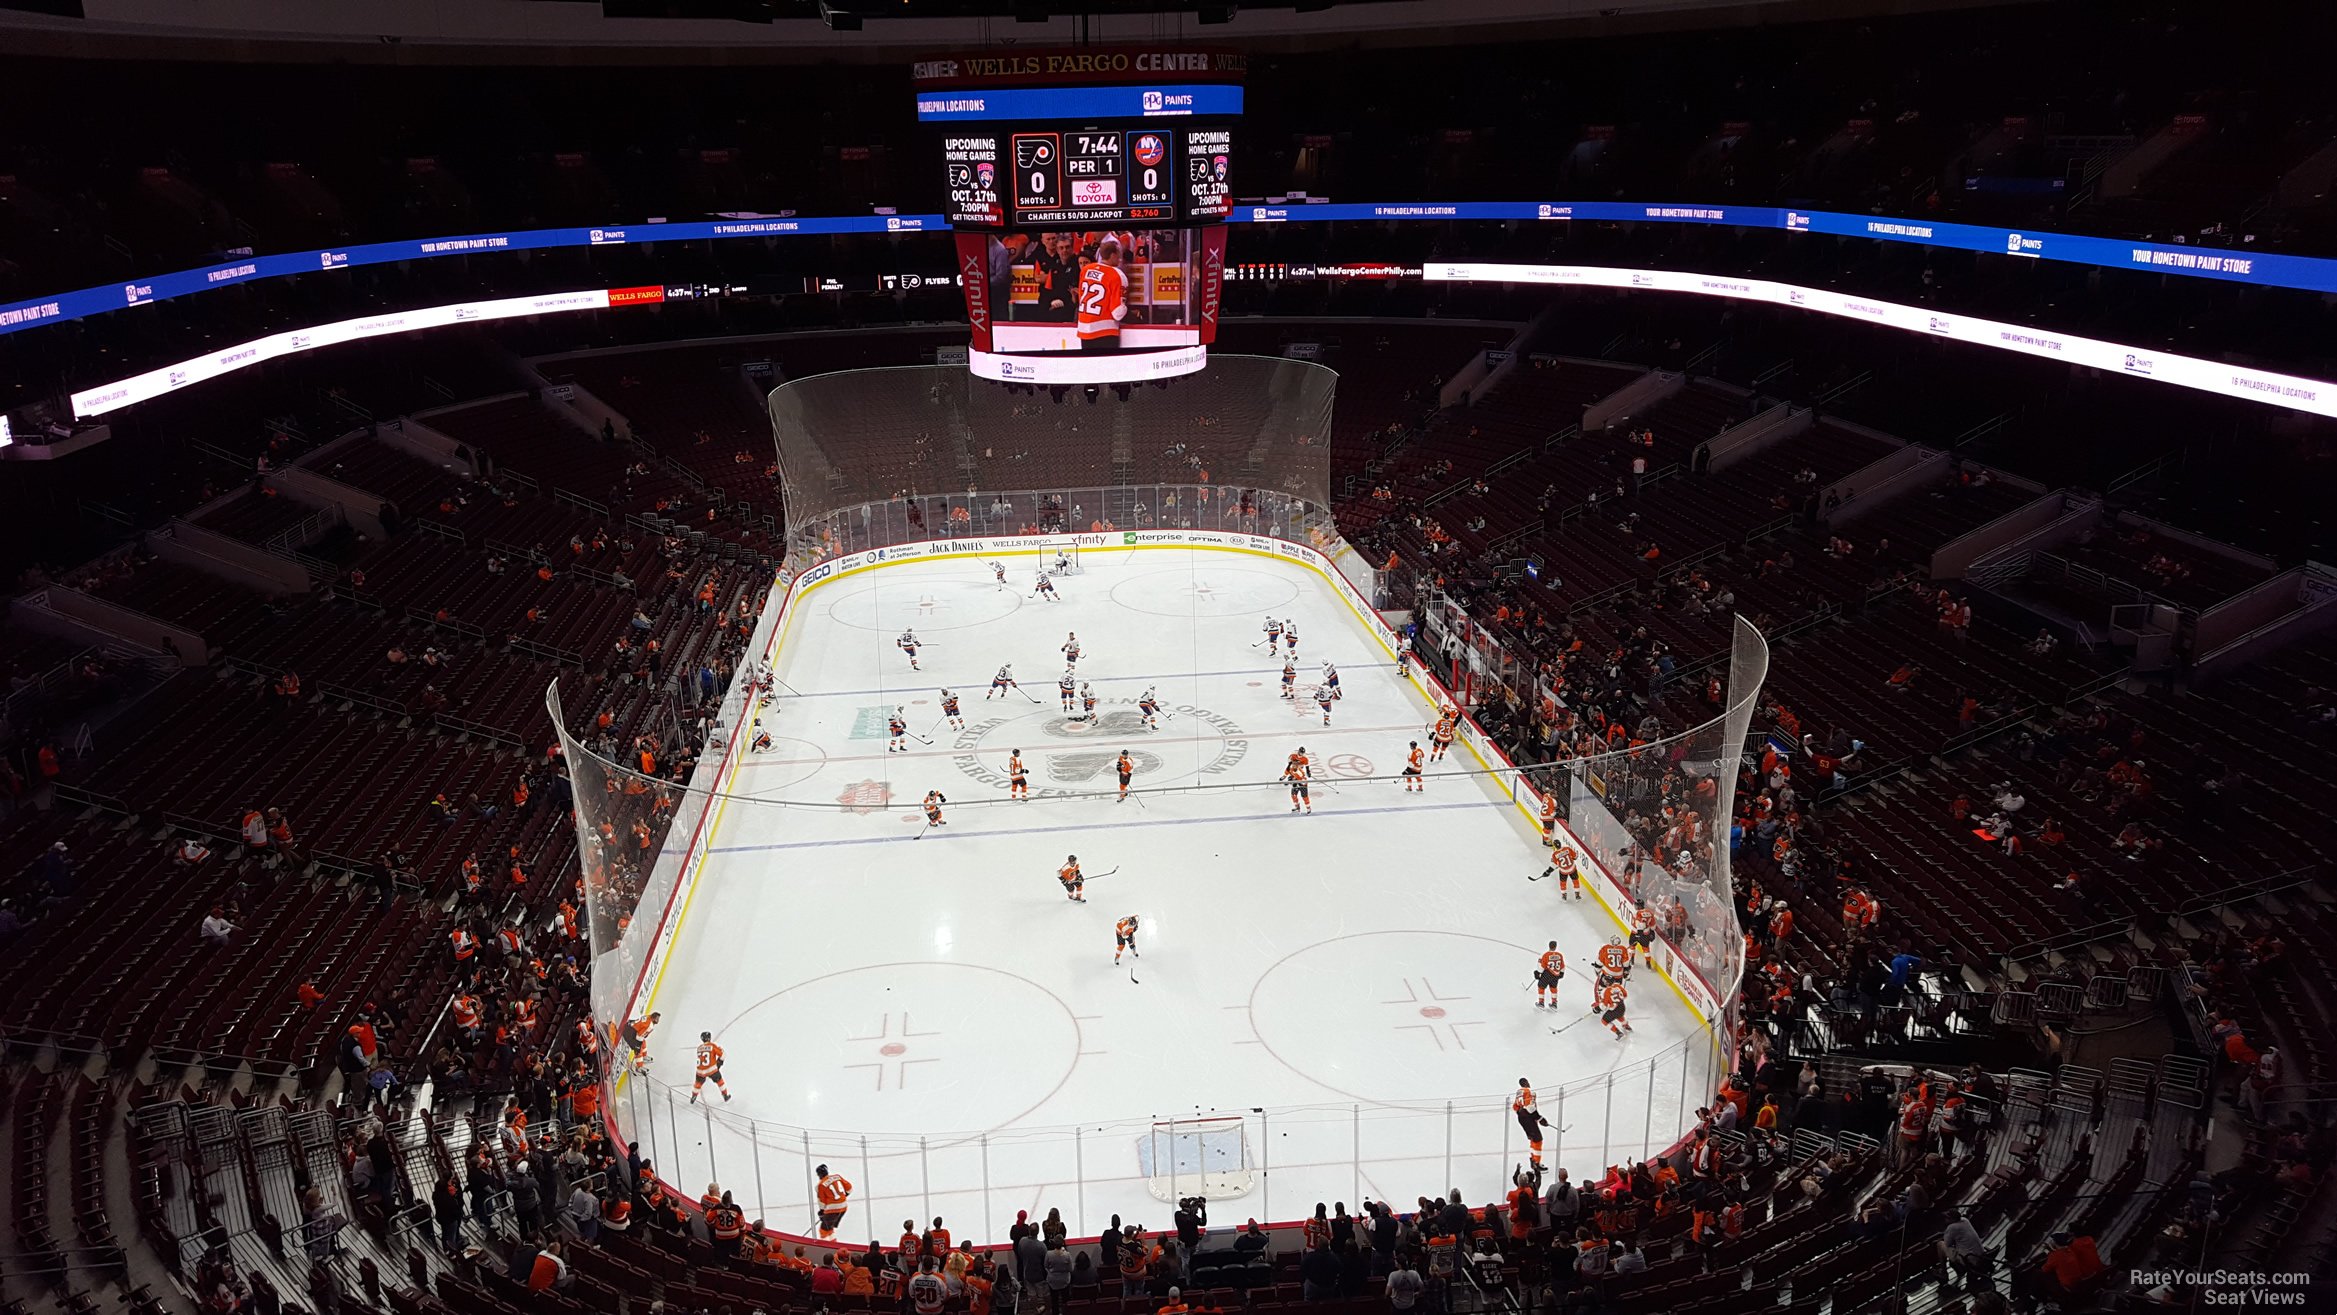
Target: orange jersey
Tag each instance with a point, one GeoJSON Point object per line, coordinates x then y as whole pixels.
{"type": "Point", "coordinates": [1610, 996]}
{"type": "Point", "coordinates": [1412, 759]}
{"type": "Point", "coordinates": [1127, 765]}
{"type": "Point", "coordinates": [709, 1058]}
{"type": "Point", "coordinates": [1523, 1101]}
{"type": "Point", "coordinates": [1643, 920]}
{"type": "Point", "coordinates": [1297, 768]}
{"type": "Point", "coordinates": [1125, 928]}
{"type": "Point", "coordinates": [1564, 861]}
{"type": "Point", "coordinates": [1014, 767]}
{"type": "Point", "coordinates": [1614, 959]}
{"type": "Point", "coordinates": [1552, 962]}
{"type": "Point", "coordinates": [1103, 299]}
{"type": "Point", "coordinates": [1069, 874]}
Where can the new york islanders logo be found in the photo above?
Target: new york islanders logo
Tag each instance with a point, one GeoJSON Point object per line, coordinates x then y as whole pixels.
{"type": "Point", "coordinates": [1150, 150]}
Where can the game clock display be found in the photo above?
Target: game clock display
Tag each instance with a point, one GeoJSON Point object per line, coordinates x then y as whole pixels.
{"type": "Point", "coordinates": [1041, 175]}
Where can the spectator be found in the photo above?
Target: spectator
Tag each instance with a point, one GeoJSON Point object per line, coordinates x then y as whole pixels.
{"type": "Point", "coordinates": [446, 1205]}
{"type": "Point", "coordinates": [1318, 1274]}
{"type": "Point", "coordinates": [1404, 1286]}
{"type": "Point", "coordinates": [1967, 1256]}
{"type": "Point", "coordinates": [216, 929]}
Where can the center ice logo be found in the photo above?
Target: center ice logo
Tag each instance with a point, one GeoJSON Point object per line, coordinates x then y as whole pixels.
{"type": "Point", "coordinates": [980, 751]}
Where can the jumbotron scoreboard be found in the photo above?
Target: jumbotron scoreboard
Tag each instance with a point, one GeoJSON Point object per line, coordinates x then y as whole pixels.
{"type": "Point", "coordinates": [1047, 160]}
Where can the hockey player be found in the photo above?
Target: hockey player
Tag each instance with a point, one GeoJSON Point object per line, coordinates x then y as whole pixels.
{"type": "Point", "coordinates": [1331, 679]}
{"type": "Point", "coordinates": [1001, 683]}
{"type": "Point", "coordinates": [949, 710]}
{"type": "Point", "coordinates": [1062, 562]}
{"type": "Point", "coordinates": [934, 799]}
{"type": "Point", "coordinates": [835, 1193]}
{"type": "Point", "coordinates": [1549, 970]}
{"type": "Point", "coordinates": [1290, 638]}
{"type": "Point", "coordinates": [1298, 771]}
{"type": "Point", "coordinates": [1614, 960]}
{"type": "Point", "coordinates": [1567, 866]}
{"type": "Point", "coordinates": [1273, 635]}
{"type": "Point", "coordinates": [1290, 680]}
{"type": "Point", "coordinates": [1414, 781]}
{"type": "Point", "coordinates": [1066, 685]}
{"type": "Point", "coordinates": [1643, 931]}
{"type": "Point", "coordinates": [709, 1068]}
{"type": "Point", "coordinates": [1149, 705]}
{"type": "Point", "coordinates": [1045, 589]}
{"type": "Point", "coordinates": [1323, 697]}
{"type": "Point", "coordinates": [1071, 651]}
{"type": "Point", "coordinates": [1074, 882]}
{"type": "Point", "coordinates": [1086, 701]}
{"type": "Point", "coordinates": [1610, 1002]}
{"type": "Point", "coordinates": [898, 724]}
{"type": "Point", "coordinates": [1440, 740]}
{"type": "Point", "coordinates": [908, 644]}
{"type": "Point", "coordinates": [636, 1035]}
{"type": "Point", "coordinates": [998, 569]}
{"type": "Point", "coordinates": [762, 741]}
{"type": "Point", "coordinates": [1124, 937]}
{"type": "Point", "coordinates": [1018, 780]}
{"type": "Point", "coordinates": [1127, 768]}
{"type": "Point", "coordinates": [1529, 1117]}
{"type": "Point", "coordinates": [1404, 657]}
{"type": "Point", "coordinates": [1550, 818]}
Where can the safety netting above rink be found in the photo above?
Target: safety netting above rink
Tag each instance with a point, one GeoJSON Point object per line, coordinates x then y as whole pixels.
{"type": "Point", "coordinates": [872, 458]}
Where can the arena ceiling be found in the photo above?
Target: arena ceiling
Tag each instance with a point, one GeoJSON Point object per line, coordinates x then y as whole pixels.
{"type": "Point", "coordinates": [780, 31]}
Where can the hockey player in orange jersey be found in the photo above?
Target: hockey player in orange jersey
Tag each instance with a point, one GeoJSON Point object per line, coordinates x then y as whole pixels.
{"type": "Point", "coordinates": [1413, 781]}
{"type": "Point", "coordinates": [1549, 970]}
{"type": "Point", "coordinates": [709, 1068]}
{"type": "Point", "coordinates": [1124, 937]}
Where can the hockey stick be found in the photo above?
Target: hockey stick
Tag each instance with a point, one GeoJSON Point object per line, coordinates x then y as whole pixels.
{"type": "Point", "coordinates": [915, 736]}
{"type": "Point", "coordinates": [1562, 1027]}
{"type": "Point", "coordinates": [921, 832]}
{"type": "Point", "coordinates": [1099, 876]}
{"type": "Point", "coordinates": [1025, 693]}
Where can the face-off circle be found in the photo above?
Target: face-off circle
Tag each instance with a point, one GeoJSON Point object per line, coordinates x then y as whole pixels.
{"type": "Point", "coordinates": [869, 1048]}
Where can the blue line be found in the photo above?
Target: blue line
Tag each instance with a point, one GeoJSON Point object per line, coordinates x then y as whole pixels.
{"type": "Point", "coordinates": [1043, 683]}
{"type": "Point", "coordinates": [1097, 826]}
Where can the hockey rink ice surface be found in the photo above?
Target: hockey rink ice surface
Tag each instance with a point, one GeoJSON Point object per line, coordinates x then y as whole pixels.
{"type": "Point", "coordinates": [952, 1029]}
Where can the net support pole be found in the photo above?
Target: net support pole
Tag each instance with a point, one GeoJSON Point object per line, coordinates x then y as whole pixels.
{"type": "Point", "coordinates": [755, 1148]}
{"type": "Point", "coordinates": [1355, 1147]}
{"type": "Point", "coordinates": [1558, 1152]}
{"type": "Point", "coordinates": [1448, 1145]}
{"type": "Point", "coordinates": [713, 1170]}
{"type": "Point", "coordinates": [811, 1186]}
{"type": "Point", "coordinates": [986, 1184]}
{"type": "Point", "coordinates": [868, 1182]}
{"type": "Point", "coordinates": [1607, 1125]}
{"type": "Point", "coordinates": [1265, 1166]}
{"type": "Point", "coordinates": [1647, 1121]}
{"type": "Point", "coordinates": [924, 1178]}
{"type": "Point", "coordinates": [1079, 1173]}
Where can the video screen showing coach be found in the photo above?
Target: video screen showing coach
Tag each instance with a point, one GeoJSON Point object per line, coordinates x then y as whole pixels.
{"type": "Point", "coordinates": [1098, 290]}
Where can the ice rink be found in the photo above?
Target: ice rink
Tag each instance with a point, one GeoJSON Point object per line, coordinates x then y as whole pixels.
{"type": "Point", "coordinates": [933, 1018]}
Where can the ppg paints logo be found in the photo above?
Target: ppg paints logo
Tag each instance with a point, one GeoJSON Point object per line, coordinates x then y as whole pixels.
{"type": "Point", "coordinates": [1152, 102]}
{"type": "Point", "coordinates": [2017, 245]}
{"type": "Point", "coordinates": [1939, 324]}
{"type": "Point", "coordinates": [1797, 222]}
{"type": "Point", "coordinates": [892, 223]}
{"type": "Point", "coordinates": [2139, 364]}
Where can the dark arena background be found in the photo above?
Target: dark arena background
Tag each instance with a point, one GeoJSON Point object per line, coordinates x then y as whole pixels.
{"type": "Point", "coordinates": [1683, 652]}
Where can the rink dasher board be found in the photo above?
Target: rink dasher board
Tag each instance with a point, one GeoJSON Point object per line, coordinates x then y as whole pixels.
{"type": "Point", "coordinates": [1682, 978]}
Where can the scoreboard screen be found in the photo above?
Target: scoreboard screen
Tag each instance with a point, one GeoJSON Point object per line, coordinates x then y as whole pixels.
{"type": "Point", "coordinates": [1121, 163]}
{"type": "Point", "coordinates": [1089, 189]}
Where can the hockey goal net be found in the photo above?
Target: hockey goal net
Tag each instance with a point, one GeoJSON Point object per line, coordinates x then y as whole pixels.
{"type": "Point", "coordinates": [1059, 552]}
{"type": "Point", "coordinates": [1197, 1157]}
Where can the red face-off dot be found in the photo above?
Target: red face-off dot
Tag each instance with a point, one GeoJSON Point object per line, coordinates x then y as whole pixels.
{"type": "Point", "coordinates": [891, 1048]}
{"type": "Point", "coordinates": [1432, 1011]}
